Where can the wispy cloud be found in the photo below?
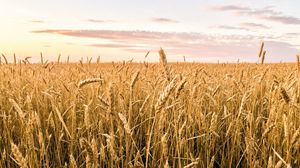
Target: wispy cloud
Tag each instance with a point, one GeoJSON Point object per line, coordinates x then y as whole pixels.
{"type": "Point", "coordinates": [249, 25]}
{"type": "Point", "coordinates": [247, 10]}
{"type": "Point", "coordinates": [233, 8]}
{"type": "Point", "coordinates": [226, 27]}
{"type": "Point", "coordinates": [163, 20]}
{"type": "Point", "coordinates": [186, 37]}
{"type": "Point", "coordinates": [266, 13]}
{"type": "Point", "coordinates": [37, 21]}
{"type": "Point", "coordinates": [242, 26]}
{"type": "Point", "coordinates": [282, 19]}
{"type": "Point", "coordinates": [112, 45]}
{"type": "Point", "coordinates": [189, 44]}
{"type": "Point", "coordinates": [293, 34]}
{"type": "Point", "coordinates": [98, 21]}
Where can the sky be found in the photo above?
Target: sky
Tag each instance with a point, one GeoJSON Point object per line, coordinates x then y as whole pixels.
{"type": "Point", "coordinates": [202, 31]}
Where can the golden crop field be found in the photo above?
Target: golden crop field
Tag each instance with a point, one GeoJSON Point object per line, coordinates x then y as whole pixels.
{"type": "Point", "coordinates": [149, 115]}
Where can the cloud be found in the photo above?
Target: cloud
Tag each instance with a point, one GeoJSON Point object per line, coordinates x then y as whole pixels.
{"type": "Point", "coordinates": [149, 36]}
{"type": "Point", "coordinates": [163, 20]}
{"type": "Point", "coordinates": [266, 13]}
{"type": "Point", "coordinates": [234, 8]}
{"type": "Point", "coordinates": [193, 45]}
{"type": "Point", "coordinates": [98, 21]}
{"type": "Point", "coordinates": [254, 26]}
{"type": "Point", "coordinates": [242, 26]}
{"type": "Point", "coordinates": [246, 10]}
{"type": "Point", "coordinates": [293, 34]}
{"type": "Point", "coordinates": [226, 27]}
{"type": "Point", "coordinates": [37, 21]}
{"type": "Point", "coordinates": [282, 19]}
{"type": "Point", "coordinates": [112, 45]}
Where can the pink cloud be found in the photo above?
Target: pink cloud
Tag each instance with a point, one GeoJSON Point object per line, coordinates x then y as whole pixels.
{"type": "Point", "coordinates": [163, 20]}
{"type": "Point", "coordinates": [112, 45]}
{"type": "Point", "coordinates": [154, 37]}
{"type": "Point", "coordinates": [254, 25]}
{"type": "Point", "coordinates": [246, 10]}
{"type": "Point", "coordinates": [230, 27]}
{"type": "Point", "coordinates": [266, 13]}
{"type": "Point", "coordinates": [292, 35]}
{"type": "Point", "coordinates": [242, 26]}
{"type": "Point", "coordinates": [282, 19]}
{"type": "Point", "coordinates": [191, 45]}
{"type": "Point", "coordinates": [98, 21]}
{"type": "Point", "coordinates": [231, 8]}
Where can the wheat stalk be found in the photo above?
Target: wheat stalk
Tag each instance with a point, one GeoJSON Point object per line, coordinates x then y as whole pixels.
{"type": "Point", "coordinates": [270, 162]}
{"type": "Point", "coordinates": [278, 164]}
{"type": "Point", "coordinates": [284, 95]}
{"type": "Point", "coordinates": [261, 49]}
{"type": "Point", "coordinates": [61, 119]}
{"type": "Point", "coordinates": [21, 161]}
{"type": "Point", "coordinates": [110, 142]}
{"type": "Point", "coordinates": [6, 62]}
{"type": "Point", "coordinates": [15, 59]}
{"type": "Point", "coordinates": [298, 63]}
{"type": "Point", "coordinates": [165, 95]}
{"type": "Point", "coordinates": [147, 54]}
{"type": "Point", "coordinates": [193, 164]}
{"type": "Point", "coordinates": [263, 57]}
{"type": "Point", "coordinates": [163, 62]}
{"type": "Point", "coordinates": [17, 108]}
{"type": "Point", "coordinates": [89, 81]}
{"type": "Point", "coordinates": [212, 161]}
{"type": "Point", "coordinates": [98, 60]}
{"type": "Point", "coordinates": [144, 104]}
{"type": "Point", "coordinates": [295, 137]}
{"type": "Point", "coordinates": [86, 116]}
{"type": "Point", "coordinates": [89, 152]}
{"type": "Point", "coordinates": [162, 57]}
{"type": "Point", "coordinates": [73, 163]}
{"type": "Point", "coordinates": [243, 102]}
{"type": "Point", "coordinates": [26, 60]}
{"type": "Point", "coordinates": [286, 125]}
{"type": "Point", "coordinates": [134, 79]}
{"type": "Point", "coordinates": [94, 147]}
{"type": "Point", "coordinates": [42, 58]}
{"type": "Point", "coordinates": [269, 129]}
{"type": "Point", "coordinates": [125, 123]}
{"type": "Point", "coordinates": [180, 87]}
{"type": "Point", "coordinates": [58, 58]}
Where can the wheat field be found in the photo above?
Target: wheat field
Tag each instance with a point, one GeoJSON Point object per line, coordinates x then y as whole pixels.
{"type": "Point", "coordinates": [149, 115]}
